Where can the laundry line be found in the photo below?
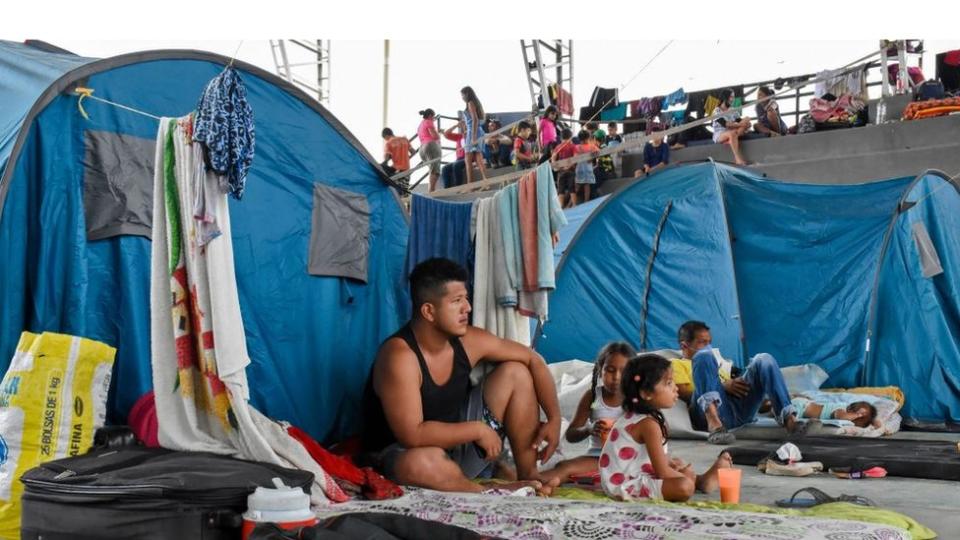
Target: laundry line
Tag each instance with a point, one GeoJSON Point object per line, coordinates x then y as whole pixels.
{"type": "Point", "coordinates": [87, 93]}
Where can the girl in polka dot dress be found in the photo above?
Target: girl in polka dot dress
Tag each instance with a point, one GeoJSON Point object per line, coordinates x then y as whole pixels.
{"type": "Point", "coordinates": [634, 463]}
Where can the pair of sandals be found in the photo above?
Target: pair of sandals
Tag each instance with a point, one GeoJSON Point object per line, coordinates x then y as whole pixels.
{"type": "Point", "coordinates": [818, 497]}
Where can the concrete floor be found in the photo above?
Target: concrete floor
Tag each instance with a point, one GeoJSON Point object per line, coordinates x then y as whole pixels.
{"type": "Point", "coordinates": [933, 503]}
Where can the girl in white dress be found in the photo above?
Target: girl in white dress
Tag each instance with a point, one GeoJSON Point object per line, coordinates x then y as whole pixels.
{"type": "Point", "coordinates": [634, 463]}
{"type": "Point", "coordinates": [597, 411]}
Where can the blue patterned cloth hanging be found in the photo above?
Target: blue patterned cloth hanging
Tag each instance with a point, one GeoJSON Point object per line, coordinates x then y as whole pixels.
{"type": "Point", "coordinates": [224, 124]}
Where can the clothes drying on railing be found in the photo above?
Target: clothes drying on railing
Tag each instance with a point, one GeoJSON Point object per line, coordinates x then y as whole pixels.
{"type": "Point", "coordinates": [561, 98]}
{"type": "Point", "coordinates": [511, 245]}
{"type": "Point", "coordinates": [647, 107]}
{"type": "Point", "coordinates": [440, 229]}
{"type": "Point", "coordinates": [677, 97]}
{"type": "Point", "coordinates": [521, 225]}
{"type": "Point", "coordinates": [915, 73]}
{"type": "Point", "coordinates": [839, 82]}
{"type": "Point", "coordinates": [844, 108]}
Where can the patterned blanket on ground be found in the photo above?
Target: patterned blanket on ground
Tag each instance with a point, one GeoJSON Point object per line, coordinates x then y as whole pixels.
{"type": "Point", "coordinates": [538, 518]}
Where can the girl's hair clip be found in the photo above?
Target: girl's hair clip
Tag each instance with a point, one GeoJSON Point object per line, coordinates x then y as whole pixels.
{"type": "Point", "coordinates": [636, 378]}
{"type": "Point", "coordinates": [635, 400]}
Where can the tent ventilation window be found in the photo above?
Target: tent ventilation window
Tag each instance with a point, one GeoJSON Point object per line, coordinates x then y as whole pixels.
{"type": "Point", "coordinates": [340, 235]}
{"type": "Point", "coordinates": [117, 184]}
{"type": "Point", "coordinates": [929, 260]}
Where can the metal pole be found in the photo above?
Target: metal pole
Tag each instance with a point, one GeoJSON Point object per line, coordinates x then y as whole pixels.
{"type": "Point", "coordinates": [884, 74]}
{"type": "Point", "coordinates": [320, 70]}
{"type": "Point", "coordinates": [286, 63]}
{"type": "Point", "coordinates": [386, 77]}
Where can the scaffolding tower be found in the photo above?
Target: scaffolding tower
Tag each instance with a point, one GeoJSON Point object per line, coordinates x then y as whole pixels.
{"type": "Point", "coordinates": [305, 63]}
{"type": "Point", "coordinates": [536, 53]}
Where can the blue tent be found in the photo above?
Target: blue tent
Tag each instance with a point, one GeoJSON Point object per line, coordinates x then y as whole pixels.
{"type": "Point", "coordinates": [859, 279]}
{"type": "Point", "coordinates": [311, 338]}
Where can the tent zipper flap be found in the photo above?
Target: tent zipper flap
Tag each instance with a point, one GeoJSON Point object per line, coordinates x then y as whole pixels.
{"type": "Point", "coordinates": [646, 285]}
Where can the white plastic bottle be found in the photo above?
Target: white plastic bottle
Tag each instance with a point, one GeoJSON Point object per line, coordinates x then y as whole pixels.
{"type": "Point", "coordinates": [287, 507]}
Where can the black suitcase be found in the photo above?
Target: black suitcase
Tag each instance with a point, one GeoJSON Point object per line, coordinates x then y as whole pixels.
{"type": "Point", "coordinates": [144, 494]}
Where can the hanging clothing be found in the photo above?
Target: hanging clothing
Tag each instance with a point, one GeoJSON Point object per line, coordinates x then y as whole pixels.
{"type": "Point", "coordinates": [508, 207]}
{"type": "Point", "coordinates": [561, 98]}
{"type": "Point", "coordinates": [710, 106]}
{"type": "Point", "coordinates": [198, 346]}
{"type": "Point", "coordinates": [550, 219]}
{"type": "Point", "coordinates": [676, 97]}
{"type": "Point", "coordinates": [838, 83]}
{"type": "Point", "coordinates": [504, 322]}
{"type": "Point", "coordinates": [504, 290]}
{"type": "Point", "coordinates": [440, 229]}
{"type": "Point", "coordinates": [528, 229]}
{"type": "Point", "coordinates": [224, 124]}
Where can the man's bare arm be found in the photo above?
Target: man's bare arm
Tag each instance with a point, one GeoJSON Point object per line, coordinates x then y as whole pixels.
{"type": "Point", "coordinates": [482, 345]}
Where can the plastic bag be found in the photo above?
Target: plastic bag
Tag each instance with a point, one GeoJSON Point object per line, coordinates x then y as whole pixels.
{"type": "Point", "coordinates": [52, 399]}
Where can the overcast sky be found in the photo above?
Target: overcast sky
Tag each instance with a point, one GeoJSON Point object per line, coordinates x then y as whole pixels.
{"type": "Point", "coordinates": [431, 73]}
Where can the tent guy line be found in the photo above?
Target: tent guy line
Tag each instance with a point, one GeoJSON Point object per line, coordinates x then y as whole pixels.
{"type": "Point", "coordinates": [85, 93]}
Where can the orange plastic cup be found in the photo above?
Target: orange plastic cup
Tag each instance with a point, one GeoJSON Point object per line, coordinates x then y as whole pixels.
{"type": "Point", "coordinates": [729, 485]}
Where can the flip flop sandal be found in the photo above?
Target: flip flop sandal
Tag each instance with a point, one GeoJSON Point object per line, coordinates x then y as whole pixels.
{"type": "Point", "coordinates": [870, 471]}
{"type": "Point", "coordinates": [722, 437]}
{"type": "Point", "coordinates": [819, 497]}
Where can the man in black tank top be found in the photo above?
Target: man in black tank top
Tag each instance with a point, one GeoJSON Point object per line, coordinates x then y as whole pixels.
{"type": "Point", "coordinates": [424, 423]}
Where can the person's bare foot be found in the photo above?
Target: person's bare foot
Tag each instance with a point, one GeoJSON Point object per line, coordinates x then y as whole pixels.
{"type": "Point", "coordinates": [513, 486]}
{"type": "Point", "coordinates": [708, 481]}
{"type": "Point", "coordinates": [713, 419]}
{"type": "Point", "coordinates": [548, 485]}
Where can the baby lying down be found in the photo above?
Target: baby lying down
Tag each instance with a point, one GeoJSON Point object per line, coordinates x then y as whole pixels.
{"type": "Point", "coordinates": [861, 413]}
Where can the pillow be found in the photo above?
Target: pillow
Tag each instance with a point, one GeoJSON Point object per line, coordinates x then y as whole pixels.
{"type": "Point", "coordinates": [803, 378]}
{"type": "Point", "coordinates": [678, 422]}
{"type": "Point", "coordinates": [572, 379]}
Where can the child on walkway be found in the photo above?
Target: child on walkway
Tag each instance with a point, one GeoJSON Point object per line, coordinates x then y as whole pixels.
{"type": "Point", "coordinates": [566, 176]}
{"type": "Point", "coordinates": [548, 132]}
{"type": "Point", "coordinates": [634, 463]}
{"type": "Point", "coordinates": [523, 154]}
{"type": "Point", "coordinates": [473, 117]}
{"type": "Point", "coordinates": [585, 177]}
{"type": "Point", "coordinates": [598, 409]}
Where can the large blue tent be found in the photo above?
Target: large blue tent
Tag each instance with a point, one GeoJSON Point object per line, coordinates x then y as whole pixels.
{"type": "Point", "coordinates": [863, 280]}
{"type": "Point", "coordinates": [311, 338]}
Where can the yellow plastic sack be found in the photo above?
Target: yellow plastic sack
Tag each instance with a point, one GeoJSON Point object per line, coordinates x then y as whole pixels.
{"type": "Point", "coordinates": [52, 399]}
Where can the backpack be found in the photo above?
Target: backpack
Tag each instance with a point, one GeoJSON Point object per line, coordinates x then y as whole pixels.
{"type": "Point", "coordinates": [927, 90]}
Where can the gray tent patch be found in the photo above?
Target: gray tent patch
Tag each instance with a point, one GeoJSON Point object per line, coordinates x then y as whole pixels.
{"type": "Point", "coordinates": [929, 259]}
{"type": "Point", "coordinates": [340, 234]}
{"type": "Point", "coordinates": [117, 184]}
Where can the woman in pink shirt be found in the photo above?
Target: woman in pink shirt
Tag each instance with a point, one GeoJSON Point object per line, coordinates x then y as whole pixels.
{"type": "Point", "coordinates": [548, 132]}
{"type": "Point", "coordinates": [430, 145]}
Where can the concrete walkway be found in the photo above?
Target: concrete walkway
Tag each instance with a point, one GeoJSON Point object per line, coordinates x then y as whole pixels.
{"type": "Point", "coordinates": [933, 503]}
